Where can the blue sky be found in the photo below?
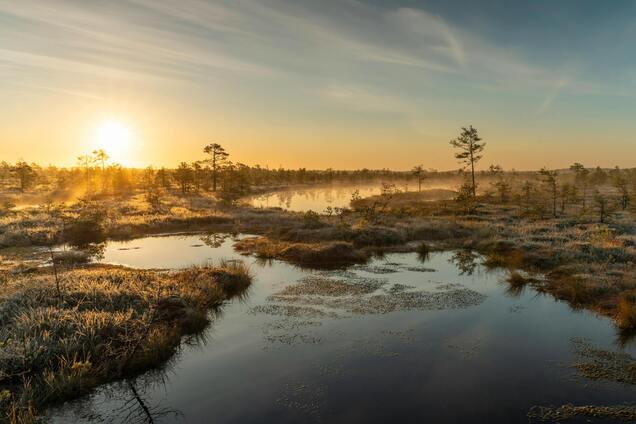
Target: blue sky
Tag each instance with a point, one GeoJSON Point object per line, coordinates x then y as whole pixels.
{"type": "Point", "coordinates": [282, 82]}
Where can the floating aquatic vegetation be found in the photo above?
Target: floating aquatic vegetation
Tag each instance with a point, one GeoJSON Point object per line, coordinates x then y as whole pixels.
{"type": "Point", "coordinates": [569, 411]}
{"type": "Point", "coordinates": [419, 269]}
{"type": "Point", "coordinates": [320, 286]}
{"type": "Point", "coordinates": [341, 294]}
{"type": "Point", "coordinates": [378, 269]}
{"type": "Point", "coordinates": [304, 398]}
{"type": "Point", "coordinates": [595, 364]}
{"type": "Point", "coordinates": [407, 336]}
{"type": "Point", "coordinates": [599, 364]}
{"type": "Point", "coordinates": [292, 338]}
{"type": "Point", "coordinates": [340, 273]}
{"type": "Point", "coordinates": [448, 286]}
{"type": "Point", "coordinates": [311, 296]}
{"type": "Point", "coordinates": [399, 288]}
{"type": "Point", "coordinates": [291, 311]}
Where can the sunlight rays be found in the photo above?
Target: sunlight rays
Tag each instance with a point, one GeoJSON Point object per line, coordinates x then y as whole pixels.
{"type": "Point", "coordinates": [116, 139]}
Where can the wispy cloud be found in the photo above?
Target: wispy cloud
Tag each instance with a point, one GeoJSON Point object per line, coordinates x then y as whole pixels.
{"type": "Point", "coordinates": [361, 99]}
{"type": "Point", "coordinates": [552, 95]}
{"type": "Point", "coordinates": [192, 41]}
{"type": "Point", "coordinates": [80, 94]}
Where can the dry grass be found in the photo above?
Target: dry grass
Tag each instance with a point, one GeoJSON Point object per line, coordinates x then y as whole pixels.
{"type": "Point", "coordinates": [626, 311]}
{"type": "Point", "coordinates": [323, 254]}
{"type": "Point", "coordinates": [109, 323]}
{"type": "Point", "coordinates": [589, 264]}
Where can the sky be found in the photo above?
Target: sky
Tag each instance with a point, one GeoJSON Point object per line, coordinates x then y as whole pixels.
{"type": "Point", "coordinates": [318, 83]}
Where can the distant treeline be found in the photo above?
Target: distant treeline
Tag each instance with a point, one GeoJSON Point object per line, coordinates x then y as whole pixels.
{"type": "Point", "coordinates": [113, 178]}
{"type": "Point", "coordinates": [95, 174]}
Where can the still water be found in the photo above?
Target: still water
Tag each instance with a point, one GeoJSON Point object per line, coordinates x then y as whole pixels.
{"type": "Point", "coordinates": [396, 340]}
{"type": "Point", "coordinates": [319, 198]}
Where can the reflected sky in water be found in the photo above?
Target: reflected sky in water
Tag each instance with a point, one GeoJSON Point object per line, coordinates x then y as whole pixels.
{"type": "Point", "coordinates": [488, 362]}
{"type": "Point", "coordinates": [318, 199]}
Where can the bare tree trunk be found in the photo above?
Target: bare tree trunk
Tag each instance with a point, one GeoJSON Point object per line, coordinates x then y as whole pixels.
{"type": "Point", "coordinates": [57, 278]}
{"type": "Point", "coordinates": [472, 172]}
{"type": "Point", "coordinates": [214, 172]}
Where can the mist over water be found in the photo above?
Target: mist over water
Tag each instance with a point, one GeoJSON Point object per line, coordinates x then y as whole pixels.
{"type": "Point", "coordinates": [338, 195]}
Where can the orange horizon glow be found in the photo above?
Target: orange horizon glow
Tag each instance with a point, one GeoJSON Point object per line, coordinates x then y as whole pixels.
{"type": "Point", "coordinates": [372, 86]}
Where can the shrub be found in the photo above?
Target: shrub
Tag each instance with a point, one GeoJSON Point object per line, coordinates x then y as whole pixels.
{"type": "Point", "coordinates": [626, 311]}
{"type": "Point", "coordinates": [311, 219]}
{"type": "Point", "coordinates": [88, 227]}
{"type": "Point", "coordinates": [423, 251]}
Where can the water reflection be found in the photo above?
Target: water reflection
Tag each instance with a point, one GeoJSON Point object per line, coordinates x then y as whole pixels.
{"type": "Point", "coordinates": [128, 402]}
{"type": "Point", "coordinates": [442, 343]}
{"type": "Point", "coordinates": [465, 261]}
{"type": "Point", "coordinates": [214, 240]}
{"type": "Point", "coordinates": [317, 199]}
{"type": "Point", "coordinates": [138, 410]}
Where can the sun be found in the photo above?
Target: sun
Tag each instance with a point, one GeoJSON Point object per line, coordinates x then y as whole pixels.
{"type": "Point", "coordinates": [116, 139]}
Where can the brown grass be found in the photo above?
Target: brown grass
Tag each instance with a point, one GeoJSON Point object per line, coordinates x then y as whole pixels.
{"type": "Point", "coordinates": [323, 254]}
{"type": "Point", "coordinates": [626, 311]}
{"type": "Point", "coordinates": [600, 256]}
{"type": "Point", "coordinates": [109, 323]}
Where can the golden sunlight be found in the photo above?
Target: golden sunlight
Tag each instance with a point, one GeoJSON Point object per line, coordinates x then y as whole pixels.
{"type": "Point", "coordinates": [116, 139]}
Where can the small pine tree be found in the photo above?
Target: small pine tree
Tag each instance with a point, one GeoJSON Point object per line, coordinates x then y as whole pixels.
{"type": "Point", "coordinates": [218, 158]}
{"type": "Point", "coordinates": [601, 206]}
{"type": "Point", "coordinates": [470, 147]}
{"type": "Point", "coordinates": [465, 196]}
{"type": "Point", "coordinates": [550, 180]}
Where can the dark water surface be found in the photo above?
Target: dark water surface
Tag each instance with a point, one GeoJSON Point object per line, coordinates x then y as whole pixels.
{"type": "Point", "coordinates": [397, 340]}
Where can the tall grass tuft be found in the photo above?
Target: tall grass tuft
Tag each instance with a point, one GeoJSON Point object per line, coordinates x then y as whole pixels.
{"type": "Point", "coordinates": [626, 311]}
{"type": "Point", "coordinates": [109, 323]}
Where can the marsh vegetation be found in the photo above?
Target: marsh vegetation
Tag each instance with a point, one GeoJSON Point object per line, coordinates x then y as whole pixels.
{"type": "Point", "coordinates": [71, 320]}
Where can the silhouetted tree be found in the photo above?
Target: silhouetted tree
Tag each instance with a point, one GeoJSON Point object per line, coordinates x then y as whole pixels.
{"type": "Point", "coordinates": [25, 175]}
{"type": "Point", "coordinates": [122, 183]}
{"type": "Point", "coordinates": [5, 172]}
{"type": "Point", "coordinates": [162, 179]}
{"type": "Point", "coordinates": [619, 181]}
{"type": "Point", "coordinates": [501, 185]}
{"type": "Point", "coordinates": [100, 156]}
{"type": "Point", "coordinates": [601, 205]}
{"type": "Point", "coordinates": [598, 176]}
{"type": "Point", "coordinates": [581, 178]}
{"type": "Point", "coordinates": [568, 195]}
{"type": "Point", "coordinates": [197, 175]}
{"type": "Point", "coordinates": [148, 178]}
{"type": "Point", "coordinates": [527, 190]}
{"type": "Point", "coordinates": [218, 157]}
{"type": "Point", "coordinates": [470, 148]}
{"type": "Point", "coordinates": [236, 183]}
{"type": "Point", "coordinates": [465, 196]}
{"type": "Point", "coordinates": [550, 180]}
{"type": "Point", "coordinates": [85, 161]}
{"type": "Point", "coordinates": [183, 175]}
{"type": "Point", "coordinates": [418, 171]}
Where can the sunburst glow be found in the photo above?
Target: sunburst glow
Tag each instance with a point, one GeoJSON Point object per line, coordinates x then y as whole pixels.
{"type": "Point", "coordinates": [116, 139]}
